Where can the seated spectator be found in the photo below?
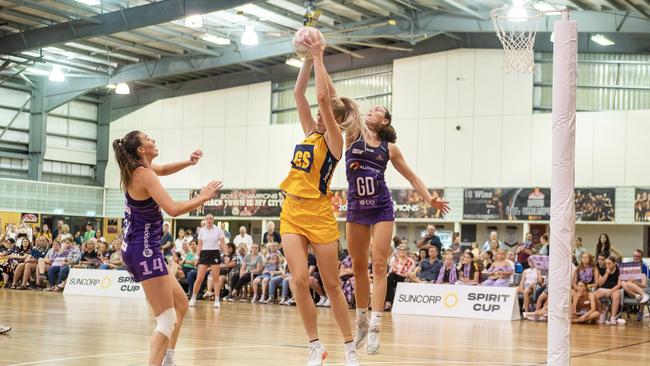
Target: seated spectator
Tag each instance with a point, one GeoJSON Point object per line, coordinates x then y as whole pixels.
{"type": "Point", "coordinates": [285, 298]}
{"type": "Point", "coordinates": [271, 269]}
{"type": "Point", "coordinates": [115, 261]}
{"type": "Point", "coordinates": [64, 233]}
{"type": "Point", "coordinates": [17, 261]}
{"type": "Point", "coordinates": [315, 281]}
{"type": "Point", "coordinates": [541, 308]}
{"type": "Point", "coordinates": [242, 252]}
{"type": "Point", "coordinates": [500, 272]}
{"type": "Point", "coordinates": [487, 258]}
{"type": "Point", "coordinates": [30, 264]}
{"type": "Point", "coordinates": [399, 267]}
{"type": "Point", "coordinates": [175, 267]}
{"type": "Point", "coordinates": [545, 249]}
{"type": "Point", "coordinates": [231, 263]}
{"type": "Point", "coordinates": [447, 273]}
{"type": "Point", "coordinates": [586, 272]}
{"type": "Point", "coordinates": [46, 233]}
{"type": "Point", "coordinates": [7, 251]}
{"type": "Point", "coordinates": [103, 252]}
{"type": "Point", "coordinates": [636, 288]}
{"type": "Point", "coordinates": [252, 266]}
{"type": "Point", "coordinates": [346, 275]}
{"type": "Point", "coordinates": [492, 243]}
{"type": "Point", "coordinates": [180, 239]}
{"type": "Point", "coordinates": [469, 273]}
{"type": "Point", "coordinates": [609, 286]}
{"type": "Point", "coordinates": [530, 279]}
{"type": "Point", "coordinates": [475, 250]}
{"type": "Point", "coordinates": [89, 257]}
{"type": "Point", "coordinates": [510, 258]}
{"type": "Point", "coordinates": [44, 264]}
{"type": "Point", "coordinates": [58, 271]}
{"type": "Point", "coordinates": [427, 270]}
{"type": "Point", "coordinates": [273, 286]}
{"type": "Point", "coordinates": [423, 254]}
{"type": "Point", "coordinates": [190, 260]}
{"type": "Point", "coordinates": [525, 250]}
{"type": "Point", "coordinates": [583, 305]}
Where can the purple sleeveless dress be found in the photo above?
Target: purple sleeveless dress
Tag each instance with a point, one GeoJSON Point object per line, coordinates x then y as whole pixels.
{"type": "Point", "coordinates": [142, 229]}
{"type": "Point", "coordinates": [369, 199]}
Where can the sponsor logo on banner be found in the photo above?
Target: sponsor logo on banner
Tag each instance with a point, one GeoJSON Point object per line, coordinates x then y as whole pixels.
{"type": "Point", "coordinates": [457, 301]}
{"type": "Point", "coordinates": [406, 202]}
{"type": "Point", "coordinates": [241, 202]}
{"type": "Point", "coordinates": [97, 282]}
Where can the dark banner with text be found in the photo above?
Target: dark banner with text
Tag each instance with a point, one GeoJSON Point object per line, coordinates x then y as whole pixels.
{"type": "Point", "coordinates": [244, 202]}
{"type": "Point", "coordinates": [407, 203]}
{"type": "Point", "coordinates": [507, 204]}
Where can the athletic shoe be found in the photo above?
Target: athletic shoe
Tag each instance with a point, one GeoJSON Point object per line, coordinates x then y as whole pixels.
{"type": "Point", "coordinates": [254, 300]}
{"type": "Point", "coordinates": [360, 334]}
{"type": "Point", "coordinates": [373, 340]}
{"type": "Point", "coordinates": [230, 299]}
{"type": "Point", "coordinates": [4, 329]}
{"type": "Point", "coordinates": [217, 303]}
{"type": "Point", "coordinates": [207, 295]}
{"type": "Point", "coordinates": [317, 356]}
{"type": "Point", "coordinates": [645, 298]}
{"type": "Point", "coordinates": [192, 302]}
{"type": "Point", "coordinates": [351, 358]}
{"type": "Point", "coordinates": [601, 319]}
{"type": "Point", "coordinates": [264, 301]}
{"type": "Point", "coordinates": [327, 303]}
{"type": "Point", "coordinates": [291, 302]}
{"type": "Point", "coordinates": [283, 301]}
{"type": "Point", "coordinates": [321, 301]}
{"type": "Point", "coordinates": [168, 361]}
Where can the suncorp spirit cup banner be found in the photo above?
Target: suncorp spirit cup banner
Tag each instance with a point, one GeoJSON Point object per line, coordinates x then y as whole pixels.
{"type": "Point", "coordinates": [457, 301]}
{"type": "Point", "coordinates": [98, 282]}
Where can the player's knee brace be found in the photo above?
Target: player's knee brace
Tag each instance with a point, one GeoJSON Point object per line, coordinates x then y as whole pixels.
{"type": "Point", "coordinates": [166, 322]}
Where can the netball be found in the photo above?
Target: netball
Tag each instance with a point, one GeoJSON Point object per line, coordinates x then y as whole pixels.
{"type": "Point", "coordinates": [299, 46]}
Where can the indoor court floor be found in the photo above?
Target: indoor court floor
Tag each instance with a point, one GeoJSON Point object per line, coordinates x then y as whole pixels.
{"type": "Point", "coordinates": [50, 329]}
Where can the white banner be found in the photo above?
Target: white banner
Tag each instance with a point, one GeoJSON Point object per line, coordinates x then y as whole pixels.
{"type": "Point", "coordinates": [98, 282]}
{"type": "Point", "coordinates": [456, 301]}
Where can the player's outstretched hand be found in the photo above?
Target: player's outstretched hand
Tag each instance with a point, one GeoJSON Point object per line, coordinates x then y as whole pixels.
{"type": "Point", "coordinates": [441, 205]}
{"type": "Point", "coordinates": [196, 155]}
{"type": "Point", "coordinates": [210, 190]}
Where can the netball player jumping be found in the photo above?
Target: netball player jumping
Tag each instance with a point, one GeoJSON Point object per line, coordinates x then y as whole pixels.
{"type": "Point", "coordinates": [307, 216]}
{"type": "Point", "coordinates": [142, 230]}
{"type": "Point", "coordinates": [370, 213]}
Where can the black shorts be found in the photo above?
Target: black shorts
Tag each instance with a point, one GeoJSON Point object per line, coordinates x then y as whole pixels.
{"type": "Point", "coordinates": [210, 257]}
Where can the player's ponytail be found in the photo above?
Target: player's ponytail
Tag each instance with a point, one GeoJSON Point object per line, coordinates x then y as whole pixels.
{"type": "Point", "coordinates": [387, 132]}
{"type": "Point", "coordinates": [347, 114]}
{"type": "Point", "coordinates": [126, 155]}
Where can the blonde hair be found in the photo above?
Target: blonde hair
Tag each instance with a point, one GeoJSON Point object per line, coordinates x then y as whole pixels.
{"type": "Point", "coordinates": [346, 112]}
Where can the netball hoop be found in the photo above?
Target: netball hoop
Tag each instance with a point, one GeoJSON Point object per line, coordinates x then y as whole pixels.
{"type": "Point", "coordinates": [516, 27]}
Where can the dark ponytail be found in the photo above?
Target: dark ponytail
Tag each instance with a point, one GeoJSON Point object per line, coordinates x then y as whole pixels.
{"type": "Point", "coordinates": [387, 132]}
{"type": "Point", "coordinates": [126, 155]}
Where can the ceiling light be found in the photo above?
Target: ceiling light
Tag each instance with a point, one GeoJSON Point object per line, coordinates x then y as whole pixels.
{"type": "Point", "coordinates": [215, 39]}
{"type": "Point", "coordinates": [392, 22]}
{"type": "Point", "coordinates": [90, 2]}
{"type": "Point", "coordinates": [194, 21]}
{"type": "Point", "coordinates": [122, 88]}
{"type": "Point", "coordinates": [602, 40]}
{"type": "Point", "coordinates": [249, 38]}
{"type": "Point", "coordinates": [111, 86]}
{"type": "Point", "coordinates": [294, 62]}
{"type": "Point", "coordinates": [56, 74]}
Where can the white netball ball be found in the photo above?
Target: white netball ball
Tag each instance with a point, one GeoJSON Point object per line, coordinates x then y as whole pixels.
{"type": "Point", "coordinates": [299, 46]}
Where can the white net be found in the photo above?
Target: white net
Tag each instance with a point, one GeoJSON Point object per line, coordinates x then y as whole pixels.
{"type": "Point", "coordinates": [516, 28]}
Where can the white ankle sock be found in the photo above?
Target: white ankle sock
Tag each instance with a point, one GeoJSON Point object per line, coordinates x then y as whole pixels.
{"type": "Point", "coordinates": [169, 353]}
{"type": "Point", "coordinates": [362, 315]}
{"type": "Point", "coordinates": [349, 346]}
{"type": "Point", "coordinates": [375, 318]}
{"type": "Point", "coordinates": [316, 343]}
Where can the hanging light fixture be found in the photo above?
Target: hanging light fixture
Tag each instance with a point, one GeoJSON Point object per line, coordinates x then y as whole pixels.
{"type": "Point", "coordinates": [249, 38]}
{"type": "Point", "coordinates": [295, 62]}
{"type": "Point", "coordinates": [56, 74]}
{"type": "Point", "coordinates": [122, 88]}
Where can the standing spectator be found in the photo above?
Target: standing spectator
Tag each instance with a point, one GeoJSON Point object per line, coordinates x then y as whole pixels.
{"type": "Point", "coordinates": [243, 237]}
{"type": "Point", "coordinates": [400, 266]}
{"type": "Point", "coordinates": [578, 250]}
{"type": "Point", "coordinates": [89, 233]}
{"type": "Point", "coordinates": [226, 233]}
{"type": "Point", "coordinates": [525, 250]}
{"type": "Point", "coordinates": [272, 233]}
{"type": "Point", "coordinates": [167, 241]}
{"type": "Point", "coordinates": [455, 248]}
{"type": "Point", "coordinates": [428, 269]}
{"type": "Point", "coordinates": [11, 232]}
{"type": "Point", "coordinates": [57, 230]}
{"type": "Point", "coordinates": [488, 243]}
{"type": "Point", "coordinates": [545, 249]}
{"type": "Point", "coordinates": [430, 238]}
{"type": "Point", "coordinates": [180, 239]}
{"type": "Point", "coordinates": [25, 230]}
{"type": "Point", "coordinates": [447, 274]}
{"type": "Point", "coordinates": [605, 247]}
{"type": "Point", "coordinates": [469, 273]}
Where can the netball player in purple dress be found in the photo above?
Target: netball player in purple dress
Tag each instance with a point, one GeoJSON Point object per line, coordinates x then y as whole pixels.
{"type": "Point", "coordinates": [370, 213]}
{"type": "Point", "coordinates": [142, 230]}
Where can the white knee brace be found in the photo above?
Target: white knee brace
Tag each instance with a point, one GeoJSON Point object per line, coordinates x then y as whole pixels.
{"type": "Point", "coordinates": [166, 322]}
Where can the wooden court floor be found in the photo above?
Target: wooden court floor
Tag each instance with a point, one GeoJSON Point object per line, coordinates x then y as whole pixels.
{"type": "Point", "coordinates": [50, 329]}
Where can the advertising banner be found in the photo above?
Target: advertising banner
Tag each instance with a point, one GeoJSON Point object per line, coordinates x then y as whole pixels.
{"type": "Point", "coordinates": [407, 204]}
{"type": "Point", "coordinates": [595, 204]}
{"type": "Point", "coordinates": [631, 271]}
{"type": "Point", "coordinates": [108, 283]}
{"type": "Point", "coordinates": [642, 205]}
{"type": "Point", "coordinates": [507, 204]}
{"type": "Point", "coordinates": [456, 301]}
{"type": "Point", "coordinates": [242, 202]}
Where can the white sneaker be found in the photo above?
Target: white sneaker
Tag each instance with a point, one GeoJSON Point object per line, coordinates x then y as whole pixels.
{"type": "Point", "coordinates": [192, 302]}
{"type": "Point", "coordinates": [317, 356]}
{"type": "Point", "coordinates": [264, 301]}
{"type": "Point", "coordinates": [351, 358]}
{"type": "Point", "coordinates": [283, 301]}
{"type": "Point", "coordinates": [373, 340]}
{"type": "Point", "coordinates": [645, 298]}
{"type": "Point", "coordinates": [321, 301]}
{"type": "Point", "coordinates": [168, 360]}
{"type": "Point", "coordinates": [360, 334]}
{"type": "Point", "coordinates": [4, 329]}
{"type": "Point", "coordinates": [327, 303]}
{"type": "Point", "coordinates": [254, 300]}
{"type": "Point", "coordinates": [217, 303]}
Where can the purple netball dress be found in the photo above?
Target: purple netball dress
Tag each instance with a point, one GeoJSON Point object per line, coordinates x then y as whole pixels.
{"type": "Point", "coordinates": [141, 249]}
{"type": "Point", "coordinates": [369, 200]}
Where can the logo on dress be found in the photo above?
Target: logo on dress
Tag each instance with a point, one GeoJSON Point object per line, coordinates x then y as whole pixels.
{"type": "Point", "coordinates": [354, 165]}
{"type": "Point", "coordinates": [357, 151]}
{"type": "Point", "coordinates": [380, 158]}
{"type": "Point", "coordinates": [147, 253]}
